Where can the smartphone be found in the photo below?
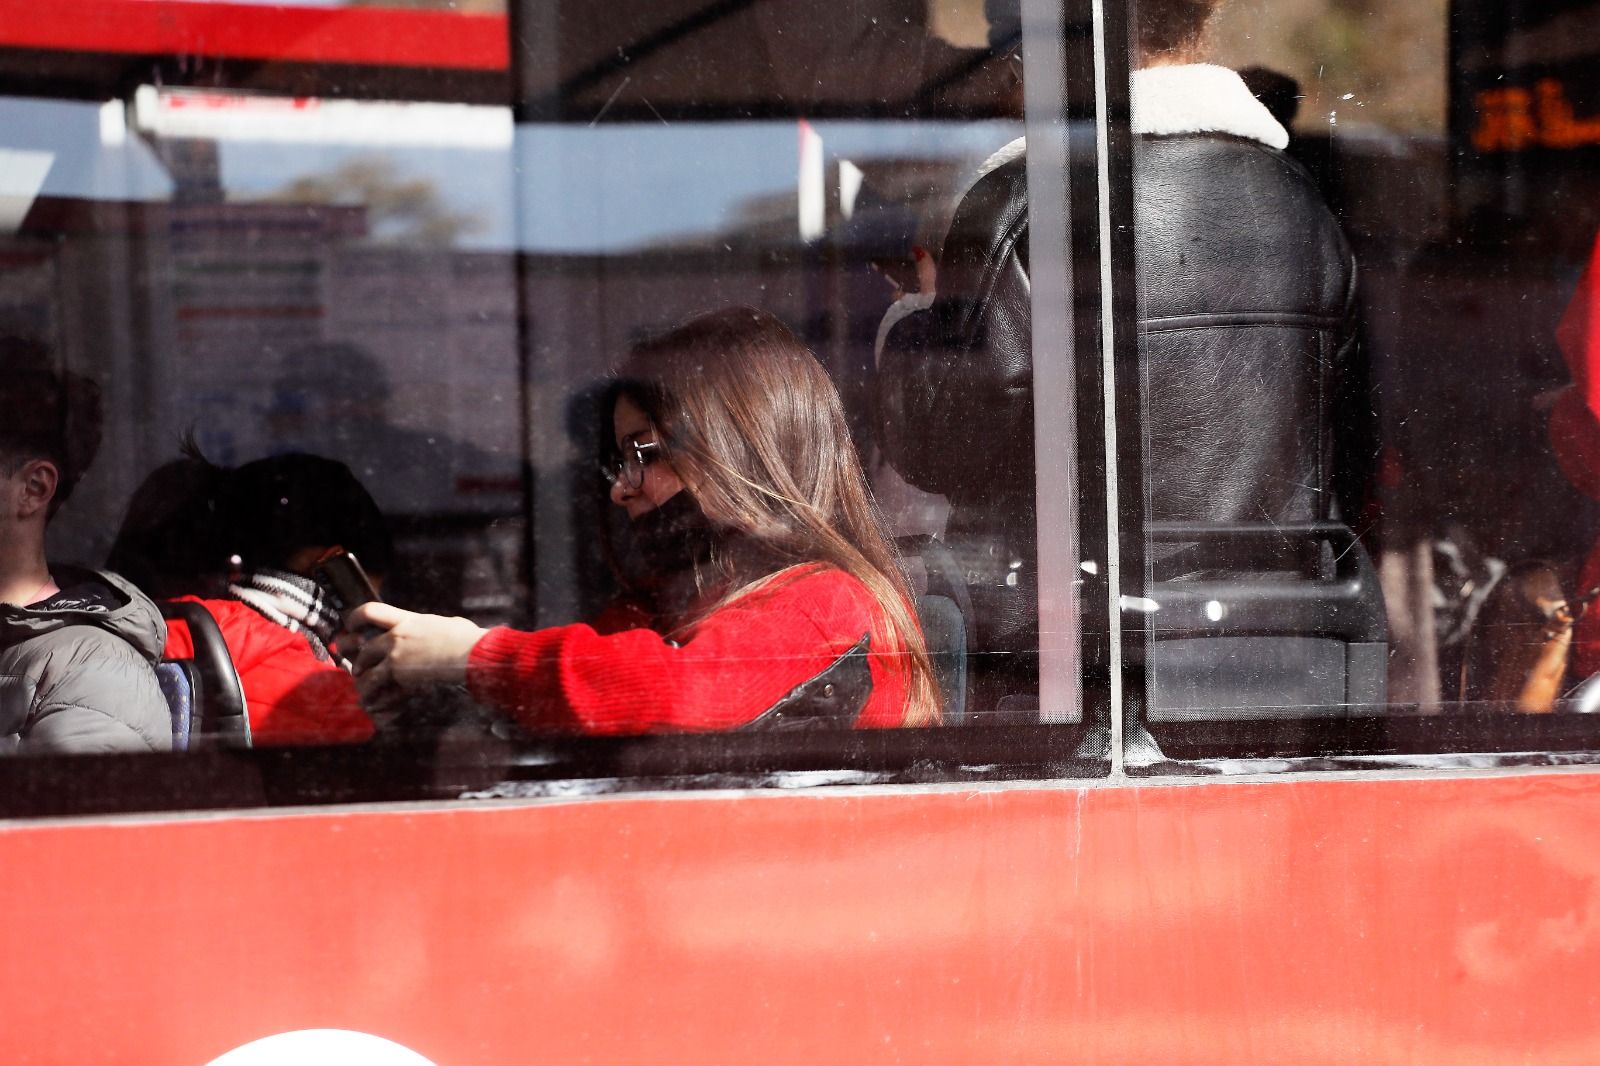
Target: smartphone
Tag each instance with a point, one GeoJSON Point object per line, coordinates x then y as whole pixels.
{"type": "Point", "coordinates": [341, 571]}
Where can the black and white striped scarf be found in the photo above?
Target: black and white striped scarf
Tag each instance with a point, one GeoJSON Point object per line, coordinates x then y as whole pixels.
{"type": "Point", "coordinates": [297, 603]}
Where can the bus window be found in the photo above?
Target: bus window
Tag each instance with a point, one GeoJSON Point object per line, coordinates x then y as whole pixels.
{"type": "Point", "coordinates": [676, 160]}
{"type": "Point", "coordinates": [311, 234]}
{"type": "Point", "coordinates": [1358, 335]}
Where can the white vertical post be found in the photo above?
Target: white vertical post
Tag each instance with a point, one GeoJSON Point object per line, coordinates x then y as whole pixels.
{"type": "Point", "coordinates": [813, 205]}
{"type": "Point", "coordinates": [1054, 376]}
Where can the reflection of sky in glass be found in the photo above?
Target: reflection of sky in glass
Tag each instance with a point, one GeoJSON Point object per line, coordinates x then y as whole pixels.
{"type": "Point", "coordinates": [611, 188]}
{"type": "Point", "coordinates": [90, 163]}
{"type": "Point", "coordinates": [561, 188]}
{"type": "Point", "coordinates": [470, 182]}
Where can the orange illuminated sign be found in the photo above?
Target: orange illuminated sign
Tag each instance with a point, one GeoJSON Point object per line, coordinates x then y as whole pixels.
{"type": "Point", "coordinates": [1514, 119]}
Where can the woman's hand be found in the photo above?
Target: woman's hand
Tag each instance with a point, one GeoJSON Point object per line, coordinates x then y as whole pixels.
{"type": "Point", "coordinates": [413, 649]}
{"type": "Point", "coordinates": [927, 272]}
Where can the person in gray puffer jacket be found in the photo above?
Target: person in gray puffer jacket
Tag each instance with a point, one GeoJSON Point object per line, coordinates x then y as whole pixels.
{"type": "Point", "coordinates": [75, 670]}
{"type": "Point", "coordinates": [77, 647]}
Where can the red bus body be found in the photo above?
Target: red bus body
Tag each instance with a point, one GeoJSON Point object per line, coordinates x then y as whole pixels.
{"type": "Point", "coordinates": [1300, 921]}
{"type": "Point", "coordinates": [1397, 916]}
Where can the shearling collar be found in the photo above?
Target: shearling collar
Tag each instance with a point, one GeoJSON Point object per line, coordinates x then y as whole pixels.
{"type": "Point", "coordinates": [1201, 98]}
{"type": "Point", "coordinates": [1192, 98]}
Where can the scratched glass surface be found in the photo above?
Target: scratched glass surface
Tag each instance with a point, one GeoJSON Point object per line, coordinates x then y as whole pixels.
{"type": "Point", "coordinates": [426, 267]}
{"type": "Point", "coordinates": [1394, 519]}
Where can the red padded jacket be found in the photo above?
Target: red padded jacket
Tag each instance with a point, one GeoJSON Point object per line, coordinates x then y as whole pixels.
{"type": "Point", "coordinates": [293, 697]}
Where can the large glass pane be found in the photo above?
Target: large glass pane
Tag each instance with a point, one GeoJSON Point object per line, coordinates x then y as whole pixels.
{"type": "Point", "coordinates": [852, 175]}
{"type": "Point", "coordinates": [1360, 235]}
{"type": "Point", "coordinates": [367, 276]}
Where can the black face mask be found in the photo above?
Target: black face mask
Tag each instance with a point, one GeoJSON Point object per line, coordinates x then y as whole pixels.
{"type": "Point", "coordinates": [675, 537]}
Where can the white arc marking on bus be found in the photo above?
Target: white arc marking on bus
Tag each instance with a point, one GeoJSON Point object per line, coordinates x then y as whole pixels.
{"type": "Point", "coordinates": [321, 1047]}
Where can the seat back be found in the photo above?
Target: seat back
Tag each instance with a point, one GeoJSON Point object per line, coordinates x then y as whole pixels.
{"type": "Point", "coordinates": [220, 699]}
{"type": "Point", "coordinates": [179, 683]}
{"type": "Point", "coordinates": [945, 612]}
{"type": "Point", "coordinates": [946, 634]}
{"type": "Point", "coordinates": [1270, 622]}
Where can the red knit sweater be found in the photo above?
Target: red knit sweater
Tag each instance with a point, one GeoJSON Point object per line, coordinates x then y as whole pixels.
{"type": "Point", "coordinates": [737, 663]}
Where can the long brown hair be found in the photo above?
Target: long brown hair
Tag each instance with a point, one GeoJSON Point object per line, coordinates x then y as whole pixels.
{"type": "Point", "coordinates": [754, 427]}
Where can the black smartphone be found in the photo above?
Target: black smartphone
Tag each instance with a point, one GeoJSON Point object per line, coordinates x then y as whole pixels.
{"type": "Point", "coordinates": [341, 571]}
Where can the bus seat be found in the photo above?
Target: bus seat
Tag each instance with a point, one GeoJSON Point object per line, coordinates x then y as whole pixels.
{"type": "Point", "coordinates": [1269, 622]}
{"type": "Point", "coordinates": [946, 635]}
{"type": "Point", "coordinates": [220, 696]}
{"type": "Point", "coordinates": [179, 683]}
{"type": "Point", "coordinates": [944, 608]}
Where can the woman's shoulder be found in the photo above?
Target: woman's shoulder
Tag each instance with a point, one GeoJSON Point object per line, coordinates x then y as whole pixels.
{"type": "Point", "coordinates": [814, 577]}
{"type": "Point", "coordinates": [820, 590]}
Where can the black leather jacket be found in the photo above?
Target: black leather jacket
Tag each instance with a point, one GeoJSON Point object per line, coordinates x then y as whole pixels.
{"type": "Point", "coordinates": [1247, 315]}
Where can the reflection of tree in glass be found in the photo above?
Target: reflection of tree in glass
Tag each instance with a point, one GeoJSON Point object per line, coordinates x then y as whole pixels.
{"type": "Point", "coordinates": [400, 210]}
{"type": "Point", "coordinates": [1389, 58]}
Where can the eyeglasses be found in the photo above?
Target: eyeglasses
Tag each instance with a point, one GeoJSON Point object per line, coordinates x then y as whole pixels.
{"type": "Point", "coordinates": [628, 467]}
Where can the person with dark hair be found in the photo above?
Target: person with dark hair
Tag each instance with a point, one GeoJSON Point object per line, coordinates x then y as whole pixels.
{"type": "Point", "coordinates": [77, 646]}
{"type": "Point", "coordinates": [243, 543]}
{"type": "Point", "coordinates": [284, 512]}
{"type": "Point", "coordinates": [168, 543]}
{"type": "Point", "coordinates": [1278, 92]}
{"type": "Point", "coordinates": [778, 598]}
{"type": "Point", "coordinates": [1247, 332]}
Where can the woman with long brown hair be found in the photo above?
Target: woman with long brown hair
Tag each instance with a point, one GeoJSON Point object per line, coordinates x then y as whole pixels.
{"type": "Point", "coordinates": [779, 599]}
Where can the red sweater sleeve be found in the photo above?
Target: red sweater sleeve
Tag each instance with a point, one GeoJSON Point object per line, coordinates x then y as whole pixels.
{"type": "Point", "coordinates": [737, 663]}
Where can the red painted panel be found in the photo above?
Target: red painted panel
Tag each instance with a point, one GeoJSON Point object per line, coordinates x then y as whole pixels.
{"type": "Point", "coordinates": [359, 35]}
{"type": "Point", "coordinates": [1446, 921]}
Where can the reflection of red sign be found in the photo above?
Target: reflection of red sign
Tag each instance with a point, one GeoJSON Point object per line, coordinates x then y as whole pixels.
{"type": "Point", "coordinates": [1514, 119]}
{"type": "Point", "coordinates": [284, 33]}
{"type": "Point", "coordinates": [180, 100]}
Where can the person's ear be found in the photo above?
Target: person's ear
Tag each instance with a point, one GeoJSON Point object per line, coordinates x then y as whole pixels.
{"type": "Point", "coordinates": [39, 479]}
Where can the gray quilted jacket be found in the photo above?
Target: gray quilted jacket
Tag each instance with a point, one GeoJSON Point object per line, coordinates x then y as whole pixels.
{"type": "Point", "coordinates": [76, 672]}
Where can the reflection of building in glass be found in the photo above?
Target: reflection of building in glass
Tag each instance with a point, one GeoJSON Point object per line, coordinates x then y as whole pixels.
{"type": "Point", "coordinates": [336, 399]}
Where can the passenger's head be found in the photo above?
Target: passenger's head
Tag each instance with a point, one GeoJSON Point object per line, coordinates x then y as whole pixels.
{"type": "Point", "coordinates": [1278, 92]}
{"type": "Point", "coordinates": [748, 422]}
{"type": "Point", "coordinates": [169, 543]}
{"type": "Point", "coordinates": [1005, 25]}
{"type": "Point", "coordinates": [732, 411]}
{"type": "Point", "coordinates": [285, 512]}
{"type": "Point", "coordinates": [49, 428]}
{"type": "Point", "coordinates": [1171, 31]}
